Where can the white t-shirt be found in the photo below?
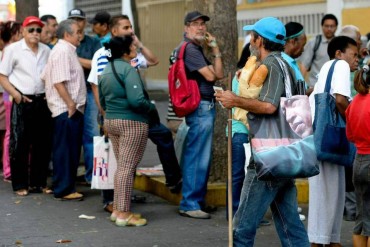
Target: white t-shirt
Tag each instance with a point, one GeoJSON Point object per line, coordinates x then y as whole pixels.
{"type": "Point", "coordinates": [100, 60]}
{"type": "Point", "coordinates": [340, 83]}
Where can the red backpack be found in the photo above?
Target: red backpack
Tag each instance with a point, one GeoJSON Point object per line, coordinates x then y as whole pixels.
{"type": "Point", "coordinates": [184, 92]}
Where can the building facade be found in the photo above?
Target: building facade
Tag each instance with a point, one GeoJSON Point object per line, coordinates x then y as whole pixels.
{"type": "Point", "coordinates": [161, 21]}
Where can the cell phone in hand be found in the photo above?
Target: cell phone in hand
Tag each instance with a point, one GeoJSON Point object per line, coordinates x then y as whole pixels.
{"type": "Point", "coordinates": [217, 89]}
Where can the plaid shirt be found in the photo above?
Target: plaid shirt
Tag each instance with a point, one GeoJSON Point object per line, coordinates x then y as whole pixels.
{"type": "Point", "coordinates": [64, 67]}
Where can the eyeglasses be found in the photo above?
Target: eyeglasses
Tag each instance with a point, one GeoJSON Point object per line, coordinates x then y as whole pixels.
{"type": "Point", "coordinates": [32, 29]}
{"type": "Point", "coordinates": [197, 24]}
{"type": "Point", "coordinates": [329, 26]}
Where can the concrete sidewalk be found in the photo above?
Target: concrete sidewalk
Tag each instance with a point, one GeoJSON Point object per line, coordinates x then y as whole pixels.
{"type": "Point", "coordinates": [38, 220]}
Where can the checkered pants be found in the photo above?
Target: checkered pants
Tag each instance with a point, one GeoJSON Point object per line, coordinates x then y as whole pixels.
{"type": "Point", "coordinates": [129, 140]}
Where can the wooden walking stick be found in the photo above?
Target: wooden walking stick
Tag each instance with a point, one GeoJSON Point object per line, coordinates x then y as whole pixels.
{"type": "Point", "coordinates": [229, 169]}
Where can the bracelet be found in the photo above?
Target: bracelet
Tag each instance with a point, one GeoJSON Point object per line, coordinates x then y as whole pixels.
{"type": "Point", "coordinates": [217, 55]}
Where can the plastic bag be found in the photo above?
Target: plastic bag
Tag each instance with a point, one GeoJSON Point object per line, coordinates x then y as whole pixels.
{"type": "Point", "coordinates": [105, 164]}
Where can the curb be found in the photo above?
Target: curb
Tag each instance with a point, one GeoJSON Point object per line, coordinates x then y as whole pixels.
{"type": "Point", "coordinates": [216, 193]}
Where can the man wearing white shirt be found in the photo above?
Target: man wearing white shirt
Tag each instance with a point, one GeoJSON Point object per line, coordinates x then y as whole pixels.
{"type": "Point", "coordinates": [30, 139]}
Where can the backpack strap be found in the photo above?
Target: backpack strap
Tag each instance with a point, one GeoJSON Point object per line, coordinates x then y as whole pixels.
{"type": "Point", "coordinates": [182, 50]}
{"type": "Point", "coordinates": [316, 47]}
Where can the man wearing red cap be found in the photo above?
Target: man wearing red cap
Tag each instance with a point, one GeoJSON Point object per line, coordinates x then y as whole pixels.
{"type": "Point", "coordinates": [30, 140]}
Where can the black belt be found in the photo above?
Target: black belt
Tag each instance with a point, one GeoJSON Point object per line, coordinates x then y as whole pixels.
{"type": "Point", "coordinates": [35, 96]}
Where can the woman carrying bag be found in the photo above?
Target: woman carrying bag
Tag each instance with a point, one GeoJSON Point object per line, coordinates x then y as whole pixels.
{"type": "Point", "coordinates": [127, 110]}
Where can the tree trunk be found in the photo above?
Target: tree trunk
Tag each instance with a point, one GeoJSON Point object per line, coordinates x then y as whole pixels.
{"type": "Point", "coordinates": [223, 26]}
{"type": "Point", "coordinates": [26, 8]}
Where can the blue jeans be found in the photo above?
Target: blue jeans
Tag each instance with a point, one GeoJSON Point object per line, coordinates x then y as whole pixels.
{"type": "Point", "coordinates": [196, 159]}
{"type": "Point", "coordinates": [161, 136]}
{"type": "Point", "coordinates": [90, 130]}
{"type": "Point", "coordinates": [256, 197]}
{"type": "Point", "coordinates": [238, 164]}
{"type": "Point", "coordinates": [66, 152]}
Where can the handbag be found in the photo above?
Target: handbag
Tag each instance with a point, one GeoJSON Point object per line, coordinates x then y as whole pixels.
{"type": "Point", "coordinates": [105, 164]}
{"type": "Point", "coordinates": [282, 143]}
{"type": "Point", "coordinates": [329, 129]}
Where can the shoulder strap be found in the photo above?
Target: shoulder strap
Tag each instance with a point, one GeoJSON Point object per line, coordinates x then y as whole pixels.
{"type": "Point", "coordinates": [316, 47]}
{"type": "Point", "coordinates": [329, 77]}
{"type": "Point", "coordinates": [182, 50]}
{"type": "Point", "coordinates": [317, 44]}
{"type": "Point", "coordinates": [287, 78]}
{"type": "Point", "coordinates": [116, 75]}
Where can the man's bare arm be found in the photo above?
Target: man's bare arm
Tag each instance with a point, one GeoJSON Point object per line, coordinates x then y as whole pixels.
{"type": "Point", "coordinates": [341, 103]}
{"type": "Point", "coordinates": [151, 59]}
{"type": "Point", "coordinates": [229, 100]}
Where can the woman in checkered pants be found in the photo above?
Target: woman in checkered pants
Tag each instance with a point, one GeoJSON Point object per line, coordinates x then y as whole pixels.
{"type": "Point", "coordinates": [127, 109]}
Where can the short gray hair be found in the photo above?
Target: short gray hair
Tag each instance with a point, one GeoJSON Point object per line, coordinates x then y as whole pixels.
{"type": "Point", "coordinates": [65, 27]}
{"type": "Point", "coordinates": [350, 31]}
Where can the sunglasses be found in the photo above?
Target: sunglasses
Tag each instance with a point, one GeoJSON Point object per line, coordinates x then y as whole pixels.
{"type": "Point", "coordinates": [32, 29]}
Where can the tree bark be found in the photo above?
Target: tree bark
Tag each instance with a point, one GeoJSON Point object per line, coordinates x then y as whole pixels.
{"type": "Point", "coordinates": [223, 26]}
{"type": "Point", "coordinates": [26, 8]}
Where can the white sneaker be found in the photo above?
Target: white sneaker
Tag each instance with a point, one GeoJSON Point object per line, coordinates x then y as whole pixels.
{"type": "Point", "coordinates": [302, 217]}
{"type": "Point", "coordinates": [299, 209]}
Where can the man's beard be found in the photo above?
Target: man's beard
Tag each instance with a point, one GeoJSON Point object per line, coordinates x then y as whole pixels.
{"type": "Point", "coordinates": [199, 38]}
{"type": "Point", "coordinates": [255, 52]}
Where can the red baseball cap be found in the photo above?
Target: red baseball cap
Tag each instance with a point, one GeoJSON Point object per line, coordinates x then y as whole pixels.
{"type": "Point", "coordinates": [32, 20]}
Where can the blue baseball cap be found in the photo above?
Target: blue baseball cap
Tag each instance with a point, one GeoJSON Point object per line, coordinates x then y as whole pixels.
{"type": "Point", "coordinates": [269, 28]}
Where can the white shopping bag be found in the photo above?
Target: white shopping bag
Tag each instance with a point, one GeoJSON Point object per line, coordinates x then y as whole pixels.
{"type": "Point", "coordinates": [105, 164]}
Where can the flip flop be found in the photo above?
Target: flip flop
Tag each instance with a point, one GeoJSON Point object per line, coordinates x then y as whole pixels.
{"type": "Point", "coordinates": [22, 192]}
{"type": "Point", "coordinates": [130, 222]}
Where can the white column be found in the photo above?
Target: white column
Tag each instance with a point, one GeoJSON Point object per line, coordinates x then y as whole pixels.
{"type": "Point", "coordinates": [335, 7]}
{"type": "Point", "coordinates": [126, 10]}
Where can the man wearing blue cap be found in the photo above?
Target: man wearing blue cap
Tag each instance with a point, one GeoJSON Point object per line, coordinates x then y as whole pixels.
{"type": "Point", "coordinates": [267, 43]}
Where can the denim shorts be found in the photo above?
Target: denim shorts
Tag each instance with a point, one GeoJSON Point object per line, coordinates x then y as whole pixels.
{"type": "Point", "coordinates": [361, 181]}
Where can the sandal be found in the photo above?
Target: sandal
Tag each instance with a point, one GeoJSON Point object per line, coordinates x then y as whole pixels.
{"type": "Point", "coordinates": [131, 221]}
{"type": "Point", "coordinates": [21, 192]}
{"type": "Point", "coordinates": [47, 190]}
{"type": "Point", "coordinates": [113, 216]}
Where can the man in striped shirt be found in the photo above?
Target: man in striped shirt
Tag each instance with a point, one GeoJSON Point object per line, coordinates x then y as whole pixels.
{"type": "Point", "coordinates": [66, 96]}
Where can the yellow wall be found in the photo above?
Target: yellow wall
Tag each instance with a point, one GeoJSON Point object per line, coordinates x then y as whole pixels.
{"type": "Point", "coordinates": [358, 17]}
{"type": "Point", "coordinates": [274, 3]}
{"type": "Point", "coordinates": [161, 29]}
